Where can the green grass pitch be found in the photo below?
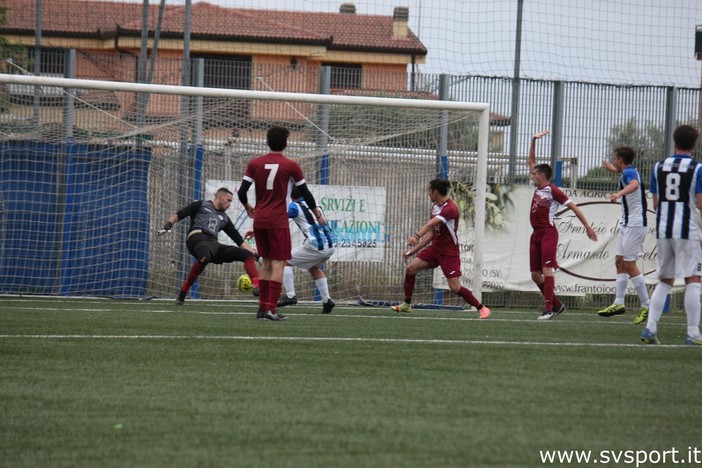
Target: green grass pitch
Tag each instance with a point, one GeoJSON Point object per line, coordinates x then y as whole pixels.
{"type": "Point", "coordinates": [88, 383]}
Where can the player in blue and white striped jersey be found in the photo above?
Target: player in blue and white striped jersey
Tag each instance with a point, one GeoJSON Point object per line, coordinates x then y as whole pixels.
{"type": "Point", "coordinates": [632, 232]}
{"type": "Point", "coordinates": [316, 249]}
{"type": "Point", "coordinates": [676, 185]}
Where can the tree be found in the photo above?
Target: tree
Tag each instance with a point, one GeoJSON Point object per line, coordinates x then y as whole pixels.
{"type": "Point", "coordinates": [14, 53]}
{"type": "Point", "coordinates": [648, 141]}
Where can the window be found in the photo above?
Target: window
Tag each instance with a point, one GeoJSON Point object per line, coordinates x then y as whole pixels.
{"type": "Point", "coordinates": [344, 75]}
{"type": "Point", "coordinates": [227, 71]}
{"type": "Point", "coordinates": [53, 62]}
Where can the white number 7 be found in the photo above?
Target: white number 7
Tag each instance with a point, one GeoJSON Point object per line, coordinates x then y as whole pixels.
{"type": "Point", "coordinates": [271, 176]}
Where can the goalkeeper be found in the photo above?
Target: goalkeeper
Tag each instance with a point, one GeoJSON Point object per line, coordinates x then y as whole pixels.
{"type": "Point", "coordinates": [207, 218]}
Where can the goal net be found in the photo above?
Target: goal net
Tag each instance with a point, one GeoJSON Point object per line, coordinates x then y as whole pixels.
{"type": "Point", "coordinates": [90, 170]}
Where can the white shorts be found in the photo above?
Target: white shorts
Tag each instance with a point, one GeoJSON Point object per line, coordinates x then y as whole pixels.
{"type": "Point", "coordinates": [306, 257]}
{"type": "Point", "coordinates": [630, 242]}
{"type": "Point", "coordinates": [679, 258]}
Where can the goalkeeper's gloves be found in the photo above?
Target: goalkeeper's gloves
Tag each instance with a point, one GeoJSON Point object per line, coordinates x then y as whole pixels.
{"type": "Point", "coordinates": [166, 228]}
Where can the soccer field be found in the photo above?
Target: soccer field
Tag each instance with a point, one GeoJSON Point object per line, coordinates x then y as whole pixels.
{"type": "Point", "coordinates": [88, 383]}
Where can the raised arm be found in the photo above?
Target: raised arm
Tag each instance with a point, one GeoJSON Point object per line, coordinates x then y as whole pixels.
{"type": "Point", "coordinates": [609, 166]}
{"type": "Point", "coordinates": [532, 148]}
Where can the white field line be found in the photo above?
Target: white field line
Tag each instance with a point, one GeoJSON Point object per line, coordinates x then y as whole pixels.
{"type": "Point", "coordinates": [527, 317]}
{"type": "Point", "coordinates": [337, 339]}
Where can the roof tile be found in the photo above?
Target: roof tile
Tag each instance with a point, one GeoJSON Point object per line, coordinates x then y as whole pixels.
{"type": "Point", "coordinates": [334, 30]}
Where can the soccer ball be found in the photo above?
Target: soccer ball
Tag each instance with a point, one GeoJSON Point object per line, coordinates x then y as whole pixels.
{"type": "Point", "coordinates": [245, 285]}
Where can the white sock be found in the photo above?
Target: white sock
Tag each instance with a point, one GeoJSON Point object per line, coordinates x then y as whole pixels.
{"type": "Point", "coordinates": [323, 287]}
{"type": "Point", "coordinates": [692, 308]}
{"type": "Point", "coordinates": [622, 282]}
{"type": "Point", "coordinates": [640, 286]}
{"type": "Point", "coordinates": [289, 281]}
{"type": "Point", "coordinates": [656, 307]}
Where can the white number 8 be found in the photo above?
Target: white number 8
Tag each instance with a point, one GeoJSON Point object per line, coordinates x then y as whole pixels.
{"type": "Point", "coordinates": [672, 186]}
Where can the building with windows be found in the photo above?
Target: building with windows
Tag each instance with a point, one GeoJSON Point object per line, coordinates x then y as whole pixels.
{"type": "Point", "coordinates": [372, 55]}
{"type": "Point", "coordinates": [233, 41]}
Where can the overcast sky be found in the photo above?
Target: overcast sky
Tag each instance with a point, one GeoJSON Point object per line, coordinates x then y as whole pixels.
{"type": "Point", "coordinates": [620, 41]}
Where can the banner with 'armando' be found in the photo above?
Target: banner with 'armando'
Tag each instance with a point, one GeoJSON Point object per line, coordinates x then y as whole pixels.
{"type": "Point", "coordinates": [585, 267]}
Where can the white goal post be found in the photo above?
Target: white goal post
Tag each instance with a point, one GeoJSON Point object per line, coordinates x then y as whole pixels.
{"type": "Point", "coordinates": [481, 109]}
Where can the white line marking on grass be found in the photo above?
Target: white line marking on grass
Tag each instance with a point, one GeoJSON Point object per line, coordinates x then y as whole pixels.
{"type": "Point", "coordinates": [527, 318]}
{"type": "Point", "coordinates": [340, 339]}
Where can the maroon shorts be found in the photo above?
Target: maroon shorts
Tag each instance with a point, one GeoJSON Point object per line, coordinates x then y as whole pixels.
{"type": "Point", "coordinates": [273, 243]}
{"type": "Point", "coordinates": [542, 249]}
{"type": "Point", "coordinates": [450, 264]}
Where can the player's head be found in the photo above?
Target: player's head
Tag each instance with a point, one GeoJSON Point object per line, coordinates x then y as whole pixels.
{"type": "Point", "coordinates": [223, 199]}
{"type": "Point", "coordinates": [685, 137]}
{"type": "Point", "coordinates": [624, 155]}
{"type": "Point", "coordinates": [438, 187]}
{"type": "Point", "coordinates": [277, 138]}
{"type": "Point", "coordinates": [541, 174]}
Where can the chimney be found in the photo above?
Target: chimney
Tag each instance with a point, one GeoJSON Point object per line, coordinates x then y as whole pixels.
{"type": "Point", "coordinates": [400, 17]}
{"type": "Point", "coordinates": [347, 8]}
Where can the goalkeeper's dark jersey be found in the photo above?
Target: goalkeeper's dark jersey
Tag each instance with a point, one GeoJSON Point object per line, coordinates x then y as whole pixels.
{"type": "Point", "coordinates": [204, 217]}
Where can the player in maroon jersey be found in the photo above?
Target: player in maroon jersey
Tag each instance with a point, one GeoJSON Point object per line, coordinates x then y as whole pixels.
{"type": "Point", "coordinates": [544, 240]}
{"type": "Point", "coordinates": [442, 232]}
{"type": "Point", "coordinates": [273, 175]}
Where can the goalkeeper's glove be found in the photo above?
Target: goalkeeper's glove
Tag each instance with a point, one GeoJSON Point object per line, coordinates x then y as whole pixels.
{"type": "Point", "coordinates": [166, 228]}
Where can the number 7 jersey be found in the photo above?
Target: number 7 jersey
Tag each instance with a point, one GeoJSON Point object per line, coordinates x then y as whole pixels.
{"type": "Point", "coordinates": [273, 176]}
{"type": "Point", "coordinates": [676, 181]}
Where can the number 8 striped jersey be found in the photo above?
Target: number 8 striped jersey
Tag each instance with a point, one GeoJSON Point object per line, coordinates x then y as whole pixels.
{"type": "Point", "coordinates": [676, 181]}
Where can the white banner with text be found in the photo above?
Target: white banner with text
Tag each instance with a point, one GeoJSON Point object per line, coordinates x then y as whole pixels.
{"type": "Point", "coordinates": [585, 267]}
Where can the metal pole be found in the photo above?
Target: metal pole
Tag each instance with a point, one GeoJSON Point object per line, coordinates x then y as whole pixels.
{"type": "Point", "coordinates": [198, 105]}
{"type": "Point", "coordinates": [514, 118]}
{"type": "Point", "coordinates": [442, 150]}
{"type": "Point", "coordinates": [36, 69]}
{"type": "Point", "coordinates": [671, 106]}
{"type": "Point", "coordinates": [480, 196]}
{"type": "Point", "coordinates": [185, 174]}
{"type": "Point", "coordinates": [69, 105]}
{"type": "Point", "coordinates": [323, 138]}
{"type": "Point", "coordinates": [141, 71]}
{"type": "Point", "coordinates": [557, 123]}
{"type": "Point", "coordinates": [65, 182]}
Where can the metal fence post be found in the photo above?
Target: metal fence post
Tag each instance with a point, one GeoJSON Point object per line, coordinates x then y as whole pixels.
{"type": "Point", "coordinates": [323, 138]}
{"type": "Point", "coordinates": [671, 109]}
{"type": "Point", "coordinates": [514, 129]}
{"type": "Point", "coordinates": [557, 124]}
{"type": "Point", "coordinates": [442, 149]}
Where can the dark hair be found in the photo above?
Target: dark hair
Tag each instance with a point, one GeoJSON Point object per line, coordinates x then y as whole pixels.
{"type": "Point", "coordinates": [224, 190]}
{"type": "Point", "coordinates": [440, 185]}
{"type": "Point", "coordinates": [544, 169]}
{"type": "Point", "coordinates": [685, 137]}
{"type": "Point", "coordinates": [277, 138]}
{"type": "Point", "coordinates": [626, 154]}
